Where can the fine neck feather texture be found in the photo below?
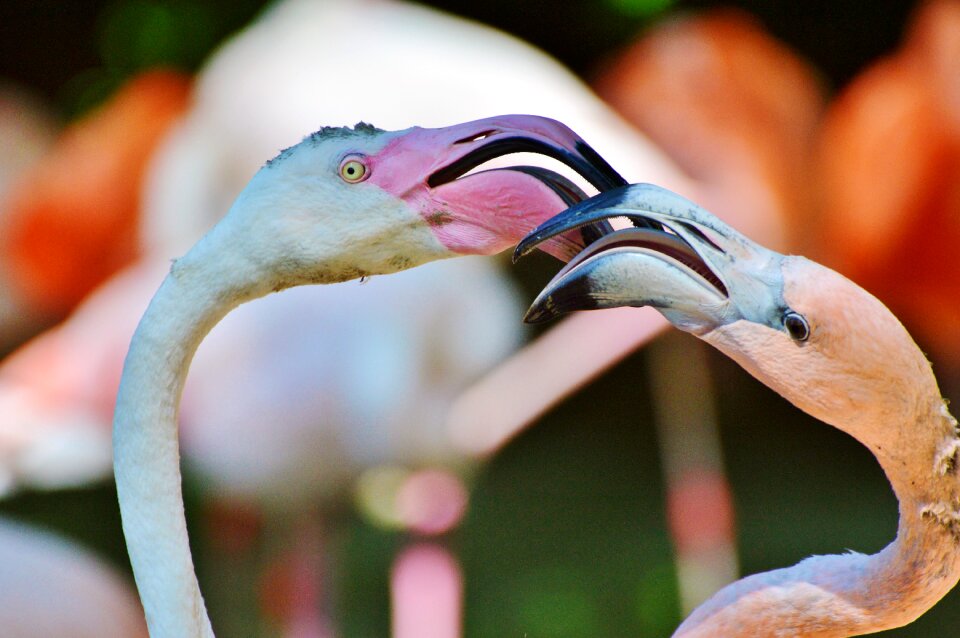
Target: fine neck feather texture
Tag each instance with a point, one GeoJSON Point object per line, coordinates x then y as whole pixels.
{"type": "Point", "coordinates": [854, 594]}
{"type": "Point", "coordinates": [201, 288]}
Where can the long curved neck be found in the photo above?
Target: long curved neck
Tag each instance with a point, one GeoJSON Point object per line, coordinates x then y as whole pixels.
{"type": "Point", "coordinates": [201, 288]}
{"type": "Point", "coordinates": [852, 594]}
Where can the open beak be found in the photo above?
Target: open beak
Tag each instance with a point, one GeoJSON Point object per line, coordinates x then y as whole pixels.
{"type": "Point", "coordinates": [678, 258]}
{"type": "Point", "coordinates": [474, 143]}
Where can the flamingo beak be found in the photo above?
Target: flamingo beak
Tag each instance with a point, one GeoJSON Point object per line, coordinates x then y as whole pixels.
{"type": "Point", "coordinates": [697, 271]}
{"type": "Point", "coordinates": [477, 142]}
{"type": "Point", "coordinates": [474, 143]}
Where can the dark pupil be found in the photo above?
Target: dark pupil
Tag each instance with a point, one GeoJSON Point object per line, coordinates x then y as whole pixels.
{"type": "Point", "coordinates": [796, 326]}
{"type": "Point", "coordinates": [351, 170]}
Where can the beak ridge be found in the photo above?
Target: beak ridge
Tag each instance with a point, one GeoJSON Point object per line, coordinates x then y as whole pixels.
{"type": "Point", "coordinates": [680, 259]}
{"type": "Point", "coordinates": [641, 202]}
{"type": "Point", "coordinates": [489, 138]}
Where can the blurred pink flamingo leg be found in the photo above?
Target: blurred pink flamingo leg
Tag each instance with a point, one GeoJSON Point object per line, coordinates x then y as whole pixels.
{"type": "Point", "coordinates": [426, 593]}
{"type": "Point", "coordinates": [426, 582]}
{"type": "Point", "coordinates": [699, 501]}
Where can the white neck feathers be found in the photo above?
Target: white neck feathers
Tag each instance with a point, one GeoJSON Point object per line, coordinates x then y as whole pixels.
{"type": "Point", "coordinates": [200, 289]}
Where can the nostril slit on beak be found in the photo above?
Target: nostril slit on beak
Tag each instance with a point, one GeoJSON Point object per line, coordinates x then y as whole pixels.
{"type": "Point", "coordinates": [702, 236]}
{"type": "Point", "coordinates": [476, 137]}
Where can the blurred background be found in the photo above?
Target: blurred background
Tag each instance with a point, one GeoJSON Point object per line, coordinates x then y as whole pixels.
{"type": "Point", "coordinates": [127, 126]}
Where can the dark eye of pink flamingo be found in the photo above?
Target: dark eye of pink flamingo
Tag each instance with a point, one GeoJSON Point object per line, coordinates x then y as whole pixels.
{"type": "Point", "coordinates": [797, 327]}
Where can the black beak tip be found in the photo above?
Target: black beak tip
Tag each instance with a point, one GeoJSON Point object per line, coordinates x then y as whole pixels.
{"type": "Point", "coordinates": [526, 246]}
{"type": "Point", "coordinates": [570, 294]}
{"type": "Point", "coordinates": [539, 312]}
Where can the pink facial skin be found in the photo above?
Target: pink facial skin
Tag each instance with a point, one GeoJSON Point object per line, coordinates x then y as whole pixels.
{"type": "Point", "coordinates": [488, 211]}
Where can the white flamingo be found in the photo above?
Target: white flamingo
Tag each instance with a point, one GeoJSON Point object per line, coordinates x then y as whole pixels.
{"type": "Point", "coordinates": [342, 204]}
{"type": "Point", "coordinates": [301, 64]}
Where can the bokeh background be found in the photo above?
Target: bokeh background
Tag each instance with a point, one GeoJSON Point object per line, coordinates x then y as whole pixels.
{"type": "Point", "coordinates": [566, 533]}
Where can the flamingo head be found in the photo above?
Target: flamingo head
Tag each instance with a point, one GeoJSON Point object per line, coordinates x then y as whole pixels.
{"type": "Point", "coordinates": [810, 334]}
{"type": "Point", "coordinates": [349, 202]}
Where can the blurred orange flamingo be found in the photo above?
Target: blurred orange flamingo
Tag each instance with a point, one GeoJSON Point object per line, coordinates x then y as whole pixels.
{"type": "Point", "coordinates": [889, 162]}
{"type": "Point", "coordinates": [72, 221]}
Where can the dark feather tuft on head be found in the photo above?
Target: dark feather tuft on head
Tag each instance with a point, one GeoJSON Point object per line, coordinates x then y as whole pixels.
{"type": "Point", "coordinates": [327, 132]}
{"type": "Point", "coordinates": [367, 128]}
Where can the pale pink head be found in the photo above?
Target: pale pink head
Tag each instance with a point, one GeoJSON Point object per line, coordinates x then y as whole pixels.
{"type": "Point", "coordinates": [807, 332]}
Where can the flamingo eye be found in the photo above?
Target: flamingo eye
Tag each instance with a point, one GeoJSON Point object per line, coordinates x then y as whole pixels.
{"type": "Point", "coordinates": [797, 327]}
{"type": "Point", "coordinates": [353, 170]}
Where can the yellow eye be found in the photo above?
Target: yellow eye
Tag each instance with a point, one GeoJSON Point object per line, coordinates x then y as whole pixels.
{"type": "Point", "coordinates": [352, 170]}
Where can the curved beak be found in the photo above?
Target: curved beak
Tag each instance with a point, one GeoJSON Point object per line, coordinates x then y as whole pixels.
{"type": "Point", "coordinates": [474, 143]}
{"type": "Point", "coordinates": [482, 212]}
{"type": "Point", "coordinates": [678, 258]}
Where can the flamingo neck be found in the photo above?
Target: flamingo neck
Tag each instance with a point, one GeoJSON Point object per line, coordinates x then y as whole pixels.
{"type": "Point", "coordinates": [200, 289]}
{"type": "Point", "coordinates": [852, 594]}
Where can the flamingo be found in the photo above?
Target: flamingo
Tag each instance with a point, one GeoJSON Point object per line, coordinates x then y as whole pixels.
{"type": "Point", "coordinates": [824, 344]}
{"type": "Point", "coordinates": [27, 129]}
{"type": "Point", "coordinates": [279, 70]}
{"type": "Point", "coordinates": [72, 220]}
{"type": "Point", "coordinates": [343, 204]}
{"type": "Point", "coordinates": [52, 587]}
{"type": "Point", "coordinates": [259, 91]}
{"type": "Point", "coordinates": [285, 74]}
{"type": "Point", "coordinates": [889, 169]}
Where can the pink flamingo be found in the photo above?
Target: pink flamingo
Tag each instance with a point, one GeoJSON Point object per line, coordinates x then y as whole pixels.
{"type": "Point", "coordinates": [823, 343]}
{"type": "Point", "coordinates": [72, 219]}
